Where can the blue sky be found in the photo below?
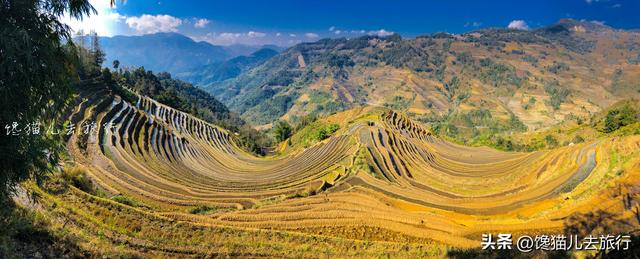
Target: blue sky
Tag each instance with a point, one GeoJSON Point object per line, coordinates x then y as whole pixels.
{"type": "Point", "coordinates": [290, 22]}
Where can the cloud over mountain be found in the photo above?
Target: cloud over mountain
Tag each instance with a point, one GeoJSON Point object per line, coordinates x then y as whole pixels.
{"type": "Point", "coordinates": [146, 23]}
{"type": "Point", "coordinates": [311, 35]}
{"type": "Point", "coordinates": [201, 23]}
{"type": "Point", "coordinates": [381, 33]}
{"type": "Point", "coordinates": [518, 25]}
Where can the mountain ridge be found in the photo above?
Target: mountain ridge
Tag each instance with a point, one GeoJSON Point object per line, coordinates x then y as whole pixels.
{"type": "Point", "coordinates": [170, 52]}
{"type": "Point", "coordinates": [538, 77]}
{"type": "Point", "coordinates": [223, 70]}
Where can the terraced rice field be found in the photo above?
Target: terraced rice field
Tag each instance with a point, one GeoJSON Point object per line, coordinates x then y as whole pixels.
{"type": "Point", "coordinates": [381, 178]}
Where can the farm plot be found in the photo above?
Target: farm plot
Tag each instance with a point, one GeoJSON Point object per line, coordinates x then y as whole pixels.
{"type": "Point", "coordinates": [382, 177]}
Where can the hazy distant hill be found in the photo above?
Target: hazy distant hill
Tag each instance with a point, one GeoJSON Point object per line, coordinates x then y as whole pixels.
{"type": "Point", "coordinates": [246, 50]}
{"type": "Point", "coordinates": [223, 70]}
{"type": "Point", "coordinates": [499, 79]}
{"type": "Point", "coordinates": [170, 52]}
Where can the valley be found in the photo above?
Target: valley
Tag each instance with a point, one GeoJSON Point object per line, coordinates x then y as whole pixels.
{"type": "Point", "coordinates": [472, 85]}
{"type": "Point", "coordinates": [382, 184]}
{"type": "Point", "coordinates": [271, 130]}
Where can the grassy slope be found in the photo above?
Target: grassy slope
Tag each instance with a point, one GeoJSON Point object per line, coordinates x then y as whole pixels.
{"type": "Point", "coordinates": [569, 132]}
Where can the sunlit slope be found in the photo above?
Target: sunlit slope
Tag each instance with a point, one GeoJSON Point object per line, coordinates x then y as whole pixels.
{"type": "Point", "coordinates": [381, 177]}
{"type": "Point", "coordinates": [490, 78]}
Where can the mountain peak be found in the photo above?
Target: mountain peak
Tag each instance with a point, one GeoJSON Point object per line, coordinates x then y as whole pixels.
{"type": "Point", "coordinates": [164, 51]}
{"type": "Point", "coordinates": [567, 24]}
{"type": "Point", "coordinates": [264, 52]}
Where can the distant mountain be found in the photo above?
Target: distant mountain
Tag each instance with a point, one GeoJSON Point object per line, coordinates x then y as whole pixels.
{"type": "Point", "coordinates": [172, 52]}
{"type": "Point", "coordinates": [223, 70]}
{"type": "Point", "coordinates": [246, 50]}
{"type": "Point", "coordinates": [161, 52]}
{"type": "Point", "coordinates": [497, 79]}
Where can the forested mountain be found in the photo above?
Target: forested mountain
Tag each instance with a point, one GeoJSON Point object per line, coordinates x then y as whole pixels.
{"type": "Point", "coordinates": [223, 70]}
{"type": "Point", "coordinates": [480, 82]}
{"type": "Point", "coordinates": [171, 52]}
{"type": "Point", "coordinates": [160, 52]}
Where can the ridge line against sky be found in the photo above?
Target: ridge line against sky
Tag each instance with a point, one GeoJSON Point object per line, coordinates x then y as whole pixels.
{"type": "Point", "coordinates": [286, 23]}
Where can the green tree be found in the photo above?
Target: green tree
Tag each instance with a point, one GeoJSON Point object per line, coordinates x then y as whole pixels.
{"type": "Point", "coordinates": [578, 139]}
{"type": "Point", "coordinates": [96, 51]}
{"type": "Point", "coordinates": [282, 130]}
{"type": "Point", "coordinates": [619, 118]}
{"type": "Point", "coordinates": [37, 70]}
{"type": "Point", "coordinates": [557, 94]}
{"type": "Point", "coordinates": [551, 141]}
{"type": "Point", "coordinates": [326, 131]}
{"type": "Point", "coordinates": [305, 121]}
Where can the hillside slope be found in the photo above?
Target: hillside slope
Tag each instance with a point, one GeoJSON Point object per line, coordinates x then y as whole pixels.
{"type": "Point", "coordinates": [481, 79]}
{"type": "Point", "coordinates": [228, 69]}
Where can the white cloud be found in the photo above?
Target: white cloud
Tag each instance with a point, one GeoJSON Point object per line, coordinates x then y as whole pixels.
{"type": "Point", "coordinates": [230, 35]}
{"type": "Point", "coordinates": [154, 23]}
{"type": "Point", "coordinates": [616, 6]}
{"type": "Point", "coordinates": [381, 33]}
{"type": "Point", "coordinates": [201, 23]}
{"type": "Point", "coordinates": [593, 21]}
{"type": "Point", "coordinates": [225, 38]}
{"type": "Point", "coordinates": [337, 32]}
{"type": "Point", "coordinates": [311, 35]}
{"type": "Point", "coordinates": [595, 1]}
{"type": "Point", "coordinates": [102, 23]}
{"type": "Point", "coordinates": [230, 38]}
{"type": "Point", "coordinates": [518, 25]}
{"type": "Point", "coordinates": [278, 34]}
{"type": "Point", "coordinates": [332, 28]}
{"type": "Point", "coordinates": [356, 31]}
{"type": "Point", "coordinates": [255, 34]}
{"type": "Point", "coordinates": [292, 35]}
{"type": "Point", "coordinates": [472, 24]}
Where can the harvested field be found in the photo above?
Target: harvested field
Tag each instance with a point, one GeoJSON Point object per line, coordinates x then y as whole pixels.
{"type": "Point", "coordinates": [382, 178]}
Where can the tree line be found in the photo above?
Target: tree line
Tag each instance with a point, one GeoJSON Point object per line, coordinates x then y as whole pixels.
{"type": "Point", "coordinates": [38, 70]}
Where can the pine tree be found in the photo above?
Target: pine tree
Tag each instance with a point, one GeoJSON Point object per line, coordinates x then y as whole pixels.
{"type": "Point", "coordinates": [96, 51]}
